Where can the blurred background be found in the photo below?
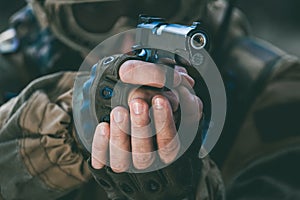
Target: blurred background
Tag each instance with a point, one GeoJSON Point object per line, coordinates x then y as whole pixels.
{"type": "Point", "coordinates": [7, 8]}
{"type": "Point", "coordinates": [276, 21]}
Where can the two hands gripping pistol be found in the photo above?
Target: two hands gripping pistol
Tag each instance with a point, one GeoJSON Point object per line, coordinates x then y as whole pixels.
{"type": "Point", "coordinates": [157, 42]}
{"type": "Point", "coordinates": [100, 91]}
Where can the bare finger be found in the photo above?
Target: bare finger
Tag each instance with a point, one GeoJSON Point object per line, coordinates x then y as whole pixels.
{"type": "Point", "coordinates": [150, 74]}
{"type": "Point", "coordinates": [119, 140]}
{"type": "Point", "coordinates": [141, 135]}
{"type": "Point", "coordinates": [191, 105]}
{"type": "Point", "coordinates": [142, 73]}
{"type": "Point", "coordinates": [180, 69]}
{"type": "Point", "coordinates": [100, 146]}
{"type": "Point", "coordinates": [148, 94]}
{"type": "Point", "coordinates": [166, 135]}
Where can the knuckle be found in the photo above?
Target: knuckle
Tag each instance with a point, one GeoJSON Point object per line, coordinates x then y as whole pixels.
{"type": "Point", "coordinates": [199, 101]}
{"type": "Point", "coordinates": [143, 160]}
{"type": "Point", "coordinates": [118, 164]}
{"type": "Point", "coordinates": [119, 142]}
{"type": "Point", "coordinates": [97, 149]}
{"type": "Point", "coordinates": [118, 168]}
{"type": "Point", "coordinates": [126, 69]}
{"type": "Point", "coordinates": [135, 93]}
{"type": "Point", "coordinates": [180, 69]}
{"type": "Point", "coordinates": [167, 160]}
{"type": "Point", "coordinates": [141, 122]}
{"type": "Point", "coordinates": [183, 92]}
{"type": "Point", "coordinates": [169, 151]}
{"type": "Point", "coordinates": [116, 139]}
{"type": "Point", "coordinates": [198, 113]}
{"type": "Point", "coordinates": [96, 163]}
{"type": "Point", "coordinates": [142, 93]}
{"type": "Point", "coordinates": [168, 148]}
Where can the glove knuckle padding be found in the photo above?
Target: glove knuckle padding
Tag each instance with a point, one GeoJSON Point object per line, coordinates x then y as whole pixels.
{"type": "Point", "coordinates": [176, 181]}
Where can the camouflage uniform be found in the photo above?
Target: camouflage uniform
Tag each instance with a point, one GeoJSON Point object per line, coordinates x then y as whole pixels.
{"type": "Point", "coordinates": [257, 152]}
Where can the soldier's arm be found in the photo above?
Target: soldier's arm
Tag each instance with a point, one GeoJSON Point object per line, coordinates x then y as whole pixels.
{"type": "Point", "coordinates": [263, 162]}
{"type": "Point", "coordinates": [39, 156]}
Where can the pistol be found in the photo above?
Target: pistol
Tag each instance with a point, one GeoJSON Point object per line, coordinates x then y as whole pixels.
{"type": "Point", "coordinates": [155, 41]}
{"type": "Point", "coordinates": [155, 34]}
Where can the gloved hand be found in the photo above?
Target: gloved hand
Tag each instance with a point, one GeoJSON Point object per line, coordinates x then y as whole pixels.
{"type": "Point", "coordinates": [128, 141]}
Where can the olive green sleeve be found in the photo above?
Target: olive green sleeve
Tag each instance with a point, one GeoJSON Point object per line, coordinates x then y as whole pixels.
{"type": "Point", "coordinates": [39, 156]}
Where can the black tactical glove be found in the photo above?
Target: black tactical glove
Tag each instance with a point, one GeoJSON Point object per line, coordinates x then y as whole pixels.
{"type": "Point", "coordinates": [179, 180]}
